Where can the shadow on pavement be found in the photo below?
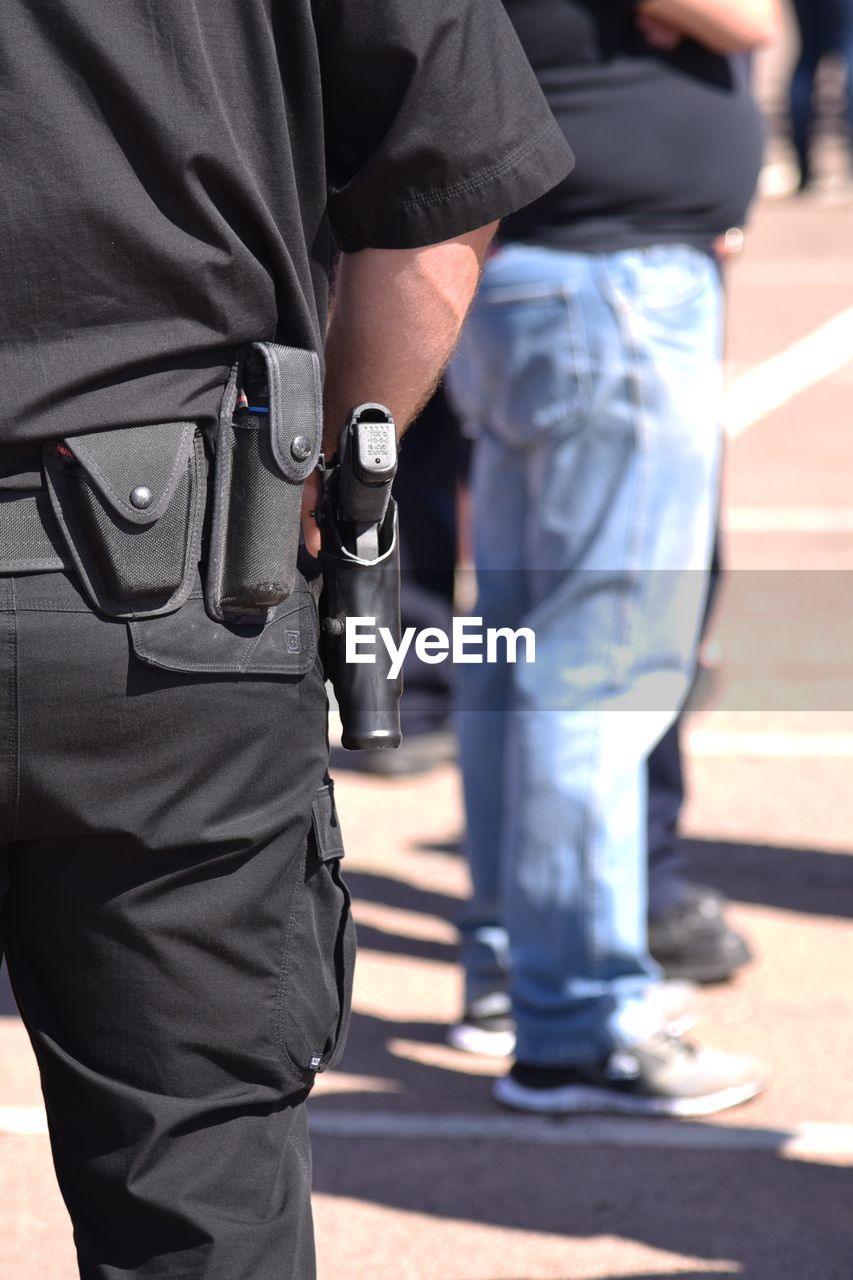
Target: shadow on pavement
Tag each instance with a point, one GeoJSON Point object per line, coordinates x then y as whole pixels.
{"type": "Point", "coordinates": [365, 886]}
{"type": "Point", "coordinates": [789, 879]}
{"type": "Point", "coordinates": [808, 880]}
{"type": "Point", "coordinates": [746, 1211]}
{"type": "Point", "coordinates": [390, 892]}
{"type": "Point", "coordinates": [438, 846]}
{"type": "Point", "coordinates": [774, 1219]}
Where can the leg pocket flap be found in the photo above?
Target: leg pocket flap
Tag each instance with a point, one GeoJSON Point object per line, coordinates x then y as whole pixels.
{"type": "Point", "coordinates": [315, 992]}
{"type": "Point", "coordinates": [190, 640]}
{"type": "Point", "coordinates": [327, 829]}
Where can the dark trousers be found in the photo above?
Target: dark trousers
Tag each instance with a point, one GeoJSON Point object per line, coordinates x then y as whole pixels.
{"type": "Point", "coordinates": [176, 929]}
{"type": "Point", "coordinates": [433, 459]}
{"type": "Point", "coordinates": [826, 26]}
{"type": "Point", "coordinates": [666, 798]}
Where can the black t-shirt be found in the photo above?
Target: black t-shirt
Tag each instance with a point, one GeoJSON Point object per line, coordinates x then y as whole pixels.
{"type": "Point", "coordinates": [170, 171]}
{"type": "Point", "coordinates": [667, 146]}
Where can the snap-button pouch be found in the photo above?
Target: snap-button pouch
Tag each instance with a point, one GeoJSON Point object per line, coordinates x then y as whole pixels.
{"type": "Point", "coordinates": [134, 545]}
{"type": "Point", "coordinates": [141, 497]}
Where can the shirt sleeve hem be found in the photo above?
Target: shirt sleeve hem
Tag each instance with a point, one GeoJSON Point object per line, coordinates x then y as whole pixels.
{"type": "Point", "coordinates": [429, 217]}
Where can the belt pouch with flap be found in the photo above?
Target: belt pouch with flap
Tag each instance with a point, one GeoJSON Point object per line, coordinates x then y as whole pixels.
{"type": "Point", "coordinates": [130, 506]}
{"type": "Point", "coordinates": [267, 444]}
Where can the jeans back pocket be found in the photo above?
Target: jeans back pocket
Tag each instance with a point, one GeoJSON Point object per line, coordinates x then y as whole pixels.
{"type": "Point", "coordinates": [521, 370]}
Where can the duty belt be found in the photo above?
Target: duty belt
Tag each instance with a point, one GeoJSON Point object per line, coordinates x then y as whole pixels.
{"type": "Point", "coordinates": [30, 541]}
{"type": "Point", "coordinates": [129, 508]}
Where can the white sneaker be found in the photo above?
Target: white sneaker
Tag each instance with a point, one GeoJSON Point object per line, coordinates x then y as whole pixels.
{"type": "Point", "coordinates": [488, 1027]}
{"type": "Point", "coordinates": [663, 1076]}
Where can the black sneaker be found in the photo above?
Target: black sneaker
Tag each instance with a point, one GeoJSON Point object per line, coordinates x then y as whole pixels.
{"type": "Point", "coordinates": [692, 939]}
{"type": "Point", "coordinates": [663, 1076]}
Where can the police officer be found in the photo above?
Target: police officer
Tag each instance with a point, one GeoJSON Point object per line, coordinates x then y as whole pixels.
{"type": "Point", "coordinates": [173, 915]}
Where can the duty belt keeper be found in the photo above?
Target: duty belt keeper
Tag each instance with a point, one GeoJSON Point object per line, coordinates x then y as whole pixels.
{"type": "Point", "coordinates": [261, 463]}
{"type": "Point", "coordinates": [130, 504]}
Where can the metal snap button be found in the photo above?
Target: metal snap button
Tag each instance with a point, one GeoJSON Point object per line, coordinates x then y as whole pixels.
{"type": "Point", "coordinates": [141, 497]}
{"type": "Point", "coordinates": [301, 448]}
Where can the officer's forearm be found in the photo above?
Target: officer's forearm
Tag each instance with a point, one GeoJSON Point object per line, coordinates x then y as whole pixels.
{"type": "Point", "coordinates": [724, 26]}
{"type": "Point", "coordinates": [396, 319]}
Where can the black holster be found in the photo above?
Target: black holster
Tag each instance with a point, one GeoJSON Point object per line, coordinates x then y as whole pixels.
{"type": "Point", "coordinates": [368, 701]}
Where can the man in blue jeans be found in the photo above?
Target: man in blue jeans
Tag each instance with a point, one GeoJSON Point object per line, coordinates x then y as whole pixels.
{"type": "Point", "coordinates": [591, 370]}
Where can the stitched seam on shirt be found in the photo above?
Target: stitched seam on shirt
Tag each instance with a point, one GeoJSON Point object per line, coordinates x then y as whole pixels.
{"type": "Point", "coordinates": [466, 185]}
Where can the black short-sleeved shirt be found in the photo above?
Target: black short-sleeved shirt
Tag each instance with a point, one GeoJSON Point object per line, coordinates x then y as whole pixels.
{"type": "Point", "coordinates": [169, 173]}
{"type": "Point", "coordinates": [667, 146]}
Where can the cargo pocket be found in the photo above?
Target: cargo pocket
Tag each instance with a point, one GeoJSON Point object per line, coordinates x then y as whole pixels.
{"type": "Point", "coordinates": [315, 990]}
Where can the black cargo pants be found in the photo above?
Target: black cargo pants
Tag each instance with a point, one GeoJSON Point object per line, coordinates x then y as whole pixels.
{"type": "Point", "coordinates": [175, 924]}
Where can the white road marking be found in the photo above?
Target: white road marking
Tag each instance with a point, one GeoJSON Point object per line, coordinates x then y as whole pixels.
{"type": "Point", "coordinates": [774, 382]}
{"type": "Point", "coordinates": [802, 1141]}
{"type": "Point", "coordinates": [23, 1121]}
{"type": "Point", "coordinates": [788, 520]}
{"type": "Point", "coordinates": [788, 273]}
{"type": "Point", "coordinates": [770, 745]}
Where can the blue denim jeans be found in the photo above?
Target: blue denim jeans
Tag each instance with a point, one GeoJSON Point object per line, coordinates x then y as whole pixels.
{"type": "Point", "coordinates": [593, 383]}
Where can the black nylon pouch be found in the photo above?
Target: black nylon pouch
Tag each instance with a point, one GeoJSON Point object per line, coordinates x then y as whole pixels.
{"type": "Point", "coordinates": [261, 462]}
{"type": "Point", "coordinates": [130, 508]}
